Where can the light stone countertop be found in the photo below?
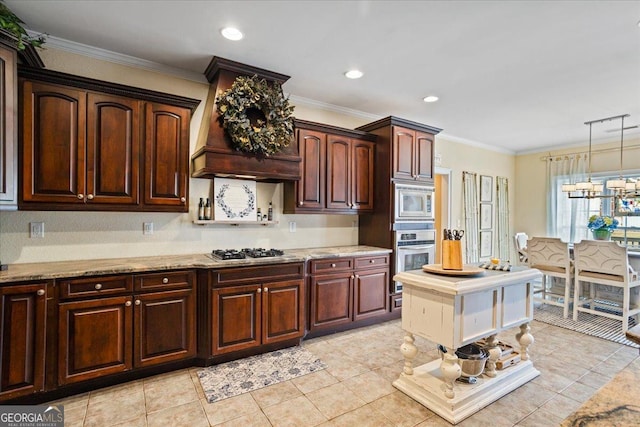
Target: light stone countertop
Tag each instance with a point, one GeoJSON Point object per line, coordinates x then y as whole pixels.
{"type": "Point", "coordinates": [93, 267]}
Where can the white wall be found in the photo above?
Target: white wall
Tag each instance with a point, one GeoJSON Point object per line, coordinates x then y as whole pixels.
{"type": "Point", "coordinates": [88, 235]}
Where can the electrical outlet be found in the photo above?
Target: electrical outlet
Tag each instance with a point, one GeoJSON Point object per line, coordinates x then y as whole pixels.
{"type": "Point", "coordinates": [292, 227]}
{"type": "Point", "coordinates": [147, 228]}
{"type": "Point", "coordinates": [36, 230]}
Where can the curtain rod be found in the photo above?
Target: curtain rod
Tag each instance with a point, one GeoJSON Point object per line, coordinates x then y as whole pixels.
{"type": "Point", "coordinates": [602, 150]}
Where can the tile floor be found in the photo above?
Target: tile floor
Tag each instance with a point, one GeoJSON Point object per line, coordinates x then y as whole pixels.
{"type": "Point", "coordinates": [356, 389]}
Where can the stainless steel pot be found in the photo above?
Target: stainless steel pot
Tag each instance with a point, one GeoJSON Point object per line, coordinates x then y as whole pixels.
{"type": "Point", "coordinates": [472, 359]}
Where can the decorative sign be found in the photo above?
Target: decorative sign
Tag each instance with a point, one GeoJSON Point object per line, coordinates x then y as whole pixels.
{"type": "Point", "coordinates": [234, 200]}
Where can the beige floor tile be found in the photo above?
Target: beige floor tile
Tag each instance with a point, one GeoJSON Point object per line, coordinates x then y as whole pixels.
{"type": "Point", "coordinates": [594, 379]}
{"type": "Point", "coordinates": [140, 421]}
{"type": "Point", "coordinates": [121, 407]}
{"type": "Point", "coordinates": [169, 392]}
{"type": "Point", "coordinates": [294, 413]}
{"type": "Point", "coordinates": [314, 381]}
{"type": "Point", "coordinates": [335, 400]}
{"type": "Point", "coordinates": [364, 416]}
{"type": "Point", "coordinates": [72, 402]}
{"type": "Point", "coordinates": [343, 367]}
{"type": "Point", "coordinates": [276, 393]}
{"type": "Point", "coordinates": [257, 419]}
{"type": "Point", "coordinates": [228, 409]}
{"type": "Point", "coordinates": [116, 392]}
{"type": "Point", "coordinates": [401, 410]}
{"type": "Point", "coordinates": [579, 392]}
{"type": "Point", "coordinates": [541, 418]}
{"type": "Point", "coordinates": [369, 386]}
{"type": "Point", "coordinates": [74, 416]}
{"type": "Point", "coordinates": [188, 415]}
{"type": "Point", "coordinates": [168, 376]}
{"type": "Point", "coordinates": [561, 406]}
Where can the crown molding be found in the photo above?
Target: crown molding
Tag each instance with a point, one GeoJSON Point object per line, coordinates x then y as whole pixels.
{"type": "Point", "coordinates": [473, 143]}
{"type": "Point", "coordinates": [299, 100]}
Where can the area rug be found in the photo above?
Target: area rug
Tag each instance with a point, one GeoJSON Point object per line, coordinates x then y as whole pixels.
{"type": "Point", "coordinates": [241, 376]}
{"type": "Point", "coordinates": [588, 324]}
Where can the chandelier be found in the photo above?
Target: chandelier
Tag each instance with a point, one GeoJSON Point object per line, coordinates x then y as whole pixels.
{"type": "Point", "coordinates": [619, 187]}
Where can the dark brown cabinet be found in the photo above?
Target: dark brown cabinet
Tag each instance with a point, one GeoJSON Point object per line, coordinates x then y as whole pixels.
{"type": "Point", "coordinates": [337, 171]}
{"type": "Point", "coordinates": [8, 127]}
{"type": "Point", "coordinates": [22, 339]}
{"type": "Point", "coordinates": [347, 290]}
{"type": "Point", "coordinates": [413, 155]}
{"type": "Point", "coordinates": [86, 149]}
{"type": "Point", "coordinates": [151, 322]}
{"type": "Point", "coordinates": [249, 307]}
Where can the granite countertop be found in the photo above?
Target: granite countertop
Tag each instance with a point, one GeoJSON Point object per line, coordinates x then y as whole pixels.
{"type": "Point", "coordinates": [92, 267]}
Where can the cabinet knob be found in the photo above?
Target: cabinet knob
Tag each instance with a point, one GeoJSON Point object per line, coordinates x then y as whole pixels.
{"type": "Point", "coordinates": [352, 276]}
{"type": "Point", "coordinates": [183, 199]}
{"type": "Point", "coordinates": [127, 304]}
{"type": "Point", "coordinates": [301, 203]}
{"type": "Point", "coordinates": [98, 286]}
{"type": "Point", "coordinates": [357, 276]}
{"type": "Point", "coordinates": [372, 261]}
{"type": "Point", "coordinates": [259, 290]}
{"type": "Point", "coordinates": [40, 292]}
{"type": "Point", "coordinates": [333, 265]}
{"type": "Point", "coordinates": [165, 280]}
{"type": "Point", "coordinates": [137, 302]}
{"type": "Point", "coordinates": [266, 289]}
{"type": "Point", "coordinates": [80, 196]}
{"type": "Point", "coordinates": [90, 196]}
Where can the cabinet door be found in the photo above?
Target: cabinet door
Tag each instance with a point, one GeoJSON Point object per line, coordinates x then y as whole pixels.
{"type": "Point", "coordinates": [113, 149]}
{"type": "Point", "coordinates": [22, 342]}
{"type": "Point", "coordinates": [8, 127]}
{"type": "Point", "coordinates": [338, 173]}
{"type": "Point", "coordinates": [371, 296]}
{"type": "Point", "coordinates": [164, 327]}
{"type": "Point", "coordinates": [166, 157]}
{"type": "Point", "coordinates": [282, 311]}
{"type": "Point", "coordinates": [53, 142]}
{"type": "Point", "coordinates": [424, 157]}
{"type": "Point", "coordinates": [362, 175]}
{"type": "Point", "coordinates": [403, 153]}
{"type": "Point", "coordinates": [236, 318]}
{"type": "Point", "coordinates": [331, 300]}
{"type": "Point", "coordinates": [311, 188]}
{"type": "Point", "coordinates": [95, 338]}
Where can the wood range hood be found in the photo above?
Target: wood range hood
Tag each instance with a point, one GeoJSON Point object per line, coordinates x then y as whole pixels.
{"type": "Point", "coordinates": [215, 155]}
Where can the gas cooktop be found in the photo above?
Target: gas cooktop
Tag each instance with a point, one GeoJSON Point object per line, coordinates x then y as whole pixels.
{"type": "Point", "coordinates": [226, 254]}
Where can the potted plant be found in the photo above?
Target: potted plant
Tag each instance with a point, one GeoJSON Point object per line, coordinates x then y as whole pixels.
{"type": "Point", "coordinates": [602, 226]}
{"type": "Point", "coordinates": [13, 26]}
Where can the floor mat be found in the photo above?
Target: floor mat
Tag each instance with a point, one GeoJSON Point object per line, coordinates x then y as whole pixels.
{"type": "Point", "coordinates": [589, 324]}
{"type": "Point", "coordinates": [251, 373]}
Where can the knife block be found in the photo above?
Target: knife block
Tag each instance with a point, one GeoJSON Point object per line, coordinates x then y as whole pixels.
{"type": "Point", "coordinates": [451, 255]}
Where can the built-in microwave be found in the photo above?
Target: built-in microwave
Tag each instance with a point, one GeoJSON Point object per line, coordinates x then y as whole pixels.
{"type": "Point", "coordinates": [413, 203]}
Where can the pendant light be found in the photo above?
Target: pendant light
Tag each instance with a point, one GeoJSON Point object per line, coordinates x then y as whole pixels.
{"type": "Point", "coordinates": [619, 185]}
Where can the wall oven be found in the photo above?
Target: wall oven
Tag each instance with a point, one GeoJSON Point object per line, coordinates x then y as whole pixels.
{"type": "Point", "coordinates": [413, 249]}
{"type": "Point", "coordinates": [413, 203]}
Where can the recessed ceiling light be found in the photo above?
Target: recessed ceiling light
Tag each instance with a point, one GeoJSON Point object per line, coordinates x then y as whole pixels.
{"type": "Point", "coordinates": [232, 33]}
{"type": "Point", "coordinates": [354, 74]}
{"type": "Point", "coordinates": [430, 98]}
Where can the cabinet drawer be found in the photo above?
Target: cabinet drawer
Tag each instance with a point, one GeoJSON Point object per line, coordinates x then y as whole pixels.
{"type": "Point", "coordinates": [95, 286]}
{"type": "Point", "coordinates": [241, 275]}
{"type": "Point", "coordinates": [372, 261]}
{"type": "Point", "coordinates": [324, 266]}
{"type": "Point", "coordinates": [165, 280]}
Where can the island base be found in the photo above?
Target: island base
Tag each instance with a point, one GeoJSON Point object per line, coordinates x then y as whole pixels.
{"type": "Point", "coordinates": [427, 386]}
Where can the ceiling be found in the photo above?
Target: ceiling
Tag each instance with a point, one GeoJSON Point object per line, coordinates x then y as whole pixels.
{"type": "Point", "coordinates": [516, 76]}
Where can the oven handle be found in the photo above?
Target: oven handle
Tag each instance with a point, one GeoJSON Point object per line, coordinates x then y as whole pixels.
{"type": "Point", "coordinates": [415, 248]}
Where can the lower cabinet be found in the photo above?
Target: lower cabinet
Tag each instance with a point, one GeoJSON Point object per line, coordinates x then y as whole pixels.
{"type": "Point", "coordinates": [152, 323]}
{"type": "Point", "coordinates": [253, 306]}
{"type": "Point", "coordinates": [347, 290]}
{"type": "Point", "coordinates": [22, 339]}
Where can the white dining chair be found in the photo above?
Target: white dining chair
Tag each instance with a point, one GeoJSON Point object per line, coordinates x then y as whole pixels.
{"type": "Point", "coordinates": [614, 285]}
{"type": "Point", "coordinates": [551, 256]}
{"type": "Point", "coordinates": [521, 246]}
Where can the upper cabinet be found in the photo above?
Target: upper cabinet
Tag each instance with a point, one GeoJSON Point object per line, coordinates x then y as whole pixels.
{"type": "Point", "coordinates": [8, 128]}
{"type": "Point", "coordinates": [114, 149]}
{"type": "Point", "coordinates": [337, 171]}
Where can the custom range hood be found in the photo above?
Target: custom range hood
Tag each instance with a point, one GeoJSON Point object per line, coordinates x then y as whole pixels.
{"type": "Point", "coordinates": [215, 155]}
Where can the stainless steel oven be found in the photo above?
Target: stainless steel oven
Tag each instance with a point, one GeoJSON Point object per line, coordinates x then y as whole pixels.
{"type": "Point", "coordinates": [413, 203]}
{"type": "Point", "coordinates": [413, 249]}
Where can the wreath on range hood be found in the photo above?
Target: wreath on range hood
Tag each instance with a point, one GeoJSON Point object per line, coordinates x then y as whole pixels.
{"type": "Point", "coordinates": [256, 115]}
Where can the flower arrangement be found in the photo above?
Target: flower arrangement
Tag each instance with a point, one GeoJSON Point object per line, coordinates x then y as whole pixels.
{"type": "Point", "coordinates": [10, 23]}
{"type": "Point", "coordinates": [248, 97]}
{"type": "Point", "coordinates": [602, 222]}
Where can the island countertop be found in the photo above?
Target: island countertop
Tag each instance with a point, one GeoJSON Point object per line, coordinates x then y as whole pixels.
{"type": "Point", "coordinates": [93, 267]}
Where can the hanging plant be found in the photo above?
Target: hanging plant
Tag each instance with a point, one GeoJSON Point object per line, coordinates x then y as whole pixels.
{"type": "Point", "coordinates": [256, 115]}
{"type": "Point", "coordinates": [13, 25]}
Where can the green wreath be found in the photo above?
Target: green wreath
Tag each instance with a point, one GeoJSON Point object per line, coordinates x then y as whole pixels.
{"type": "Point", "coordinates": [256, 115]}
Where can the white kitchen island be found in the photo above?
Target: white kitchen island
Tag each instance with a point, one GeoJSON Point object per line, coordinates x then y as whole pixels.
{"type": "Point", "coordinates": [454, 311]}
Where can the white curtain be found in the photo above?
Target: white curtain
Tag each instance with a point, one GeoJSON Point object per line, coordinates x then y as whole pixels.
{"type": "Point", "coordinates": [470, 204]}
{"type": "Point", "coordinates": [565, 170]}
{"type": "Point", "coordinates": [502, 218]}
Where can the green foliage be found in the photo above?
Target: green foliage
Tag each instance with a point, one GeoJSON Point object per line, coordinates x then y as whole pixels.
{"type": "Point", "coordinates": [14, 25]}
{"type": "Point", "coordinates": [266, 135]}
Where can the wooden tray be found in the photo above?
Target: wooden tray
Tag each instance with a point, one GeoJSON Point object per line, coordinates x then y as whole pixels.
{"type": "Point", "coordinates": [467, 270]}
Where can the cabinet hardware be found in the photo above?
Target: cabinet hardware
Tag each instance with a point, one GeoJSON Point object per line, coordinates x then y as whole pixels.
{"type": "Point", "coordinates": [372, 261]}
{"type": "Point", "coordinates": [98, 286]}
{"type": "Point", "coordinates": [266, 289]}
{"type": "Point", "coordinates": [183, 199]}
{"type": "Point", "coordinates": [165, 280]}
{"type": "Point", "coordinates": [89, 196]}
{"type": "Point", "coordinates": [357, 276]}
{"type": "Point", "coordinates": [40, 292]}
{"type": "Point", "coordinates": [127, 304]}
{"type": "Point", "coordinates": [301, 203]}
{"type": "Point", "coordinates": [259, 290]}
{"type": "Point", "coordinates": [137, 302]}
{"type": "Point", "coordinates": [333, 265]}
{"type": "Point", "coordinates": [80, 196]}
{"type": "Point", "coordinates": [352, 276]}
